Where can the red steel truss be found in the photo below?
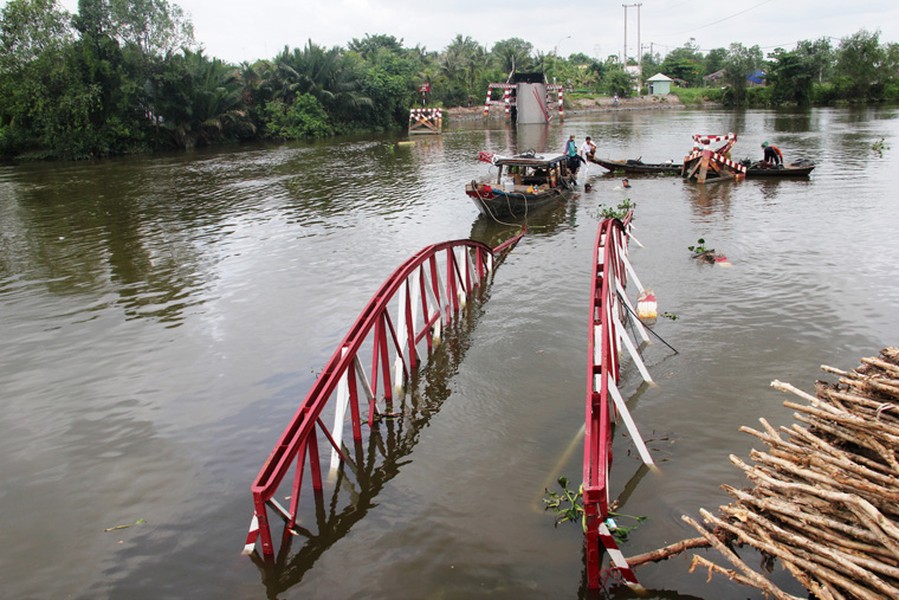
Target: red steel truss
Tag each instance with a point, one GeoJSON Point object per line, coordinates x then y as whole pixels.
{"type": "Point", "coordinates": [427, 291]}
{"type": "Point", "coordinates": [604, 405]}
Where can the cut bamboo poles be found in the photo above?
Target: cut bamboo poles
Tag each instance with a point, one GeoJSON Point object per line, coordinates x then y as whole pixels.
{"type": "Point", "coordinates": [825, 501]}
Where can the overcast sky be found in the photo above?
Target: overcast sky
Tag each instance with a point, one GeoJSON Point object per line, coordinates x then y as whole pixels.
{"type": "Point", "coordinates": [249, 30]}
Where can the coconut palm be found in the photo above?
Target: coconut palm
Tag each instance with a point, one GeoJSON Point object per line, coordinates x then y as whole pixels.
{"type": "Point", "coordinates": [200, 100]}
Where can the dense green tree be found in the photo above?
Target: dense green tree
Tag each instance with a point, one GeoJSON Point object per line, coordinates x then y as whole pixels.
{"type": "Point", "coordinates": [372, 44]}
{"type": "Point", "coordinates": [154, 27]}
{"type": "Point", "coordinates": [463, 63]}
{"type": "Point", "coordinates": [619, 82]}
{"type": "Point", "coordinates": [329, 75]}
{"type": "Point", "coordinates": [42, 101]}
{"type": "Point", "coordinates": [685, 63]}
{"type": "Point", "coordinates": [859, 63]}
{"type": "Point", "coordinates": [714, 60]}
{"type": "Point", "coordinates": [790, 76]}
{"type": "Point", "coordinates": [513, 54]}
{"type": "Point", "coordinates": [117, 125]}
{"type": "Point", "coordinates": [305, 118]}
{"type": "Point", "coordinates": [200, 101]}
{"type": "Point", "coordinates": [820, 54]}
{"type": "Point", "coordinates": [387, 87]}
{"type": "Point", "coordinates": [741, 63]}
{"type": "Point", "coordinates": [891, 72]}
{"type": "Point", "coordinates": [652, 64]}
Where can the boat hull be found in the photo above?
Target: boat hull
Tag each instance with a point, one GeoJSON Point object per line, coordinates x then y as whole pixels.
{"type": "Point", "coordinates": [522, 184]}
{"type": "Point", "coordinates": [631, 167]}
{"type": "Point", "coordinates": [797, 170]}
{"type": "Point", "coordinates": [494, 202]}
{"type": "Point", "coordinates": [636, 167]}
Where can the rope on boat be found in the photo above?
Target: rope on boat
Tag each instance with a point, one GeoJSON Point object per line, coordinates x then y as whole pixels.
{"type": "Point", "coordinates": [491, 213]}
{"type": "Point", "coordinates": [826, 496]}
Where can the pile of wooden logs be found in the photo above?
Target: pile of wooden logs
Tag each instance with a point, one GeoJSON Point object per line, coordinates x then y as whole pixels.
{"type": "Point", "coordinates": [825, 501]}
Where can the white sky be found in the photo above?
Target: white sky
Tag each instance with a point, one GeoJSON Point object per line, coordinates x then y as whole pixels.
{"type": "Point", "coordinates": [238, 31]}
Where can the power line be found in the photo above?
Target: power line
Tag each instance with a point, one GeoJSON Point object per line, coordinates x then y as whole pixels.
{"type": "Point", "coordinates": [737, 14]}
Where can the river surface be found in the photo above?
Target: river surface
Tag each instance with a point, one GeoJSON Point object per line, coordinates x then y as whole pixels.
{"type": "Point", "coordinates": [162, 317]}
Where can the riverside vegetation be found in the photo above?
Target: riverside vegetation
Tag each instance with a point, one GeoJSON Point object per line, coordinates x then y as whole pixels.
{"type": "Point", "coordinates": [127, 76]}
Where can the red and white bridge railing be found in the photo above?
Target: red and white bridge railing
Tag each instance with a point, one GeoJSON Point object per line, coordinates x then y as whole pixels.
{"type": "Point", "coordinates": [609, 307]}
{"type": "Point", "coordinates": [425, 293]}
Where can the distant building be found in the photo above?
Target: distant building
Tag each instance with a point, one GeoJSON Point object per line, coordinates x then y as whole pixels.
{"type": "Point", "coordinates": [636, 72]}
{"type": "Point", "coordinates": [659, 85]}
{"type": "Point", "coordinates": [757, 77]}
{"type": "Point", "coordinates": [714, 78]}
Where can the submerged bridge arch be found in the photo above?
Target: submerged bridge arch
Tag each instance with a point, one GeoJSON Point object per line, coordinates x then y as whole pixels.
{"type": "Point", "coordinates": [374, 361]}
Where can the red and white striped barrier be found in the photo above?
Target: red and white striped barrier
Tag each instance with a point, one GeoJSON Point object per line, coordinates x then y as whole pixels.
{"type": "Point", "coordinates": [425, 113]}
{"type": "Point", "coordinates": [713, 139]}
{"type": "Point", "coordinates": [425, 120]}
{"type": "Point", "coordinates": [717, 157]}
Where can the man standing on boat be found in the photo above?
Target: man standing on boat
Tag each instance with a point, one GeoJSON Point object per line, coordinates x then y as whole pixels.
{"type": "Point", "coordinates": [574, 161]}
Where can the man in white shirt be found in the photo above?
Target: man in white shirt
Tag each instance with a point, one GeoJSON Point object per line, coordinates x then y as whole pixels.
{"type": "Point", "coordinates": [588, 149]}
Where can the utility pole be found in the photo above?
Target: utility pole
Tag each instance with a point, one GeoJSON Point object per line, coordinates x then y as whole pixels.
{"type": "Point", "coordinates": [639, 48]}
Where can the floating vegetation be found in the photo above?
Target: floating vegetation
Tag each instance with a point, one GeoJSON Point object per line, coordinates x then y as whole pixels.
{"type": "Point", "coordinates": [125, 526]}
{"type": "Point", "coordinates": [569, 508]}
{"type": "Point", "coordinates": [699, 248]}
{"type": "Point", "coordinates": [708, 255]}
{"type": "Point", "coordinates": [607, 212]}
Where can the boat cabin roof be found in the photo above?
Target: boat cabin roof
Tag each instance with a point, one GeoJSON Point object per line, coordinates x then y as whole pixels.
{"type": "Point", "coordinates": [529, 160]}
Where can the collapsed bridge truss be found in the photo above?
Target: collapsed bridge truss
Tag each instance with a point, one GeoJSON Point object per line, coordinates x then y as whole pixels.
{"type": "Point", "coordinates": [426, 292]}
{"type": "Point", "coordinates": [609, 309]}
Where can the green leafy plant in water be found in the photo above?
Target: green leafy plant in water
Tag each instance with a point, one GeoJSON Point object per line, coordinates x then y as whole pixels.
{"type": "Point", "coordinates": [668, 315]}
{"type": "Point", "coordinates": [569, 507]}
{"type": "Point", "coordinates": [699, 248]}
{"type": "Point", "coordinates": [619, 532]}
{"type": "Point", "coordinates": [880, 146]}
{"type": "Point", "coordinates": [607, 212]}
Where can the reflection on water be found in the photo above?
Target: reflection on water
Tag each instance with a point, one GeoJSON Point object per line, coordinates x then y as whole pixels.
{"type": "Point", "coordinates": [163, 316]}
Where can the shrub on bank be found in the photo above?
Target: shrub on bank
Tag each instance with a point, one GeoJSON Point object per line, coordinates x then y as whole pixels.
{"type": "Point", "coordinates": [698, 96]}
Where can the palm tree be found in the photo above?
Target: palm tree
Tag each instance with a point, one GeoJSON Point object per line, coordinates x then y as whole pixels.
{"type": "Point", "coordinates": [323, 74]}
{"type": "Point", "coordinates": [200, 101]}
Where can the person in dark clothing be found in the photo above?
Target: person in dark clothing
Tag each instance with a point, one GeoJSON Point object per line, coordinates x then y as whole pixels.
{"type": "Point", "coordinates": [574, 161]}
{"type": "Point", "coordinates": [773, 156]}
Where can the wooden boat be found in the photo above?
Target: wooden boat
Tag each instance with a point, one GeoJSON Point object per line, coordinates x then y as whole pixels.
{"type": "Point", "coordinates": [799, 168]}
{"type": "Point", "coordinates": [635, 166]}
{"type": "Point", "coordinates": [523, 183]}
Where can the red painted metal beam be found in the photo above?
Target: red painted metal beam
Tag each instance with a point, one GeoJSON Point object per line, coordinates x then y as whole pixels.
{"type": "Point", "coordinates": [609, 275]}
